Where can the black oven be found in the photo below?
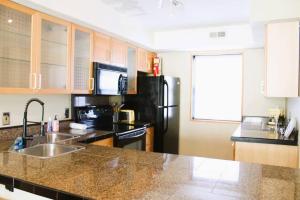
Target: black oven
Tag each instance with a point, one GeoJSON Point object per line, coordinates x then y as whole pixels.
{"type": "Point", "coordinates": [100, 117]}
{"type": "Point", "coordinates": [133, 139]}
{"type": "Point", "coordinates": [109, 80]}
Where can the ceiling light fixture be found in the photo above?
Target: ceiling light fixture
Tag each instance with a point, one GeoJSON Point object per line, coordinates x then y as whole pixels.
{"type": "Point", "coordinates": [9, 21]}
{"type": "Point", "coordinates": [173, 3]}
{"type": "Point", "coordinates": [176, 3]}
{"type": "Point", "coordinates": [160, 4]}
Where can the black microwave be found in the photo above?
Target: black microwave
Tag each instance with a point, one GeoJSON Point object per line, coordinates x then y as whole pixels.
{"type": "Point", "coordinates": [109, 79]}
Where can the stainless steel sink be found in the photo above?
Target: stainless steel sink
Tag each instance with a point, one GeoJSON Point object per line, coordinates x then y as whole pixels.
{"type": "Point", "coordinates": [59, 137]}
{"type": "Point", "coordinates": [49, 150]}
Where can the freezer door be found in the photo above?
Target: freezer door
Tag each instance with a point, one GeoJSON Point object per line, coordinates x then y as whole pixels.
{"type": "Point", "coordinates": [171, 89]}
{"type": "Point", "coordinates": [149, 89]}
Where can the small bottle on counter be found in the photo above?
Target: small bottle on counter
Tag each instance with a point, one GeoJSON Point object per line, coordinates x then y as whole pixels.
{"type": "Point", "coordinates": [49, 125]}
{"type": "Point", "coordinates": [55, 124]}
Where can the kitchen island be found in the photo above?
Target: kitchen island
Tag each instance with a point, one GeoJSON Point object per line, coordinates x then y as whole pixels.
{"type": "Point", "coordinates": [112, 173]}
{"type": "Point", "coordinates": [252, 143]}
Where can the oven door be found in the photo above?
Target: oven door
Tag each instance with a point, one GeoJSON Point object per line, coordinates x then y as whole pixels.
{"type": "Point", "coordinates": [131, 140]}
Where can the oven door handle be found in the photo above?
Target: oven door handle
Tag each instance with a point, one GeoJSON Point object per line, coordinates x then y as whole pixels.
{"type": "Point", "coordinates": [124, 137]}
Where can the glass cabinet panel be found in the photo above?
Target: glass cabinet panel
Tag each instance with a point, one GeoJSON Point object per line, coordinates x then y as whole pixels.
{"type": "Point", "coordinates": [82, 60]}
{"type": "Point", "coordinates": [15, 48]}
{"type": "Point", "coordinates": [54, 55]}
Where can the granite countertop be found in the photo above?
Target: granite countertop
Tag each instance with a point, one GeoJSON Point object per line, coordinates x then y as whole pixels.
{"type": "Point", "coordinates": [246, 133]}
{"type": "Point", "coordinates": [5, 144]}
{"type": "Point", "coordinates": [113, 173]}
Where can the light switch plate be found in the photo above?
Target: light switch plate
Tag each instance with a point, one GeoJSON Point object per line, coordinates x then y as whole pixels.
{"type": "Point", "coordinates": [6, 118]}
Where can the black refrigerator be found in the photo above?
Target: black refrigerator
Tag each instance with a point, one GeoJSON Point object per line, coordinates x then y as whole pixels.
{"type": "Point", "coordinates": [158, 101]}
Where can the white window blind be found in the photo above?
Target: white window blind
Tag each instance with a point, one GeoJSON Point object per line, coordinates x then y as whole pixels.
{"type": "Point", "coordinates": [217, 87]}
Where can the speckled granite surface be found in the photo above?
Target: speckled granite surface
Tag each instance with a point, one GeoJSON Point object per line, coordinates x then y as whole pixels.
{"type": "Point", "coordinates": [112, 173]}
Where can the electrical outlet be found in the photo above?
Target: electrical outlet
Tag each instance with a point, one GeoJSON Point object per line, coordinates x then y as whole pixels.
{"type": "Point", "coordinates": [6, 118]}
{"type": "Point", "coordinates": [67, 113]}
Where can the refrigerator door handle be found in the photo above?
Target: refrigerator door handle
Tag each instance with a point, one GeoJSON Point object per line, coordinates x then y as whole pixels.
{"type": "Point", "coordinates": [167, 107]}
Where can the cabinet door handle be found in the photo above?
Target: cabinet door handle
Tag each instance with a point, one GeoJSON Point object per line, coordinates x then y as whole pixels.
{"type": "Point", "coordinates": [40, 81]}
{"type": "Point", "coordinates": [92, 82]}
{"type": "Point", "coordinates": [35, 81]}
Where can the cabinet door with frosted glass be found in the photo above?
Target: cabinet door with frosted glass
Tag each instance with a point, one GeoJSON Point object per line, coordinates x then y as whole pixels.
{"type": "Point", "coordinates": [16, 71]}
{"type": "Point", "coordinates": [54, 59]}
{"type": "Point", "coordinates": [132, 69]}
{"type": "Point", "coordinates": [82, 81]}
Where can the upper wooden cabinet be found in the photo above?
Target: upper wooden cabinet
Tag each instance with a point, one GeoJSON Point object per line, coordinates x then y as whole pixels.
{"type": "Point", "coordinates": [118, 53]}
{"type": "Point", "coordinates": [132, 69]}
{"type": "Point", "coordinates": [16, 52]}
{"type": "Point", "coordinates": [142, 60]}
{"type": "Point", "coordinates": [43, 54]}
{"type": "Point", "coordinates": [145, 60]}
{"type": "Point", "coordinates": [150, 61]}
{"type": "Point", "coordinates": [82, 58]}
{"type": "Point", "coordinates": [282, 59]}
{"type": "Point", "coordinates": [102, 47]}
{"type": "Point", "coordinates": [54, 50]}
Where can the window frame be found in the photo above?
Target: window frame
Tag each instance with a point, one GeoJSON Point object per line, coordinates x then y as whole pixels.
{"type": "Point", "coordinates": [214, 53]}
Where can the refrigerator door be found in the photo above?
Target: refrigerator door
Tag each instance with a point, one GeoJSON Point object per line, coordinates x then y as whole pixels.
{"type": "Point", "coordinates": [150, 89]}
{"type": "Point", "coordinates": [171, 90]}
{"type": "Point", "coordinates": [166, 138]}
{"type": "Point", "coordinates": [171, 130]}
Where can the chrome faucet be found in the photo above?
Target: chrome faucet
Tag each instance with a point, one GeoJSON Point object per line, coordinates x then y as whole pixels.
{"type": "Point", "coordinates": [42, 131]}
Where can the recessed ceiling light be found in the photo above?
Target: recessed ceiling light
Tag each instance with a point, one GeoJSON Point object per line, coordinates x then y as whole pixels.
{"type": "Point", "coordinates": [10, 21]}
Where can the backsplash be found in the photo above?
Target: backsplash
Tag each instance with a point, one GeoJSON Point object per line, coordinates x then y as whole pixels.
{"type": "Point", "coordinates": [15, 105]}
{"type": "Point", "coordinates": [12, 133]}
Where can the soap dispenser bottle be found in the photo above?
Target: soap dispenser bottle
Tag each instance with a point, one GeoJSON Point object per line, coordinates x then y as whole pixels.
{"type": "Point", "coordinates": [49, 125]}
{"type": "Point", "coordinates": [55, 124]}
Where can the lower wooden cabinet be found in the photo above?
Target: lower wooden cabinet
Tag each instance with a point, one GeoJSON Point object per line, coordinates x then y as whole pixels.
{"type": "Point", "coordinates": [269, 154]}
{"type": "Point", "coordinates": [108, 142]}
{"type": "Point", "coordinates": [149, 139]}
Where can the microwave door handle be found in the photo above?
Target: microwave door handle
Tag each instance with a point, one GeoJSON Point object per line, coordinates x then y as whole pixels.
{"type": "Point", "coordinates": [120, 83]}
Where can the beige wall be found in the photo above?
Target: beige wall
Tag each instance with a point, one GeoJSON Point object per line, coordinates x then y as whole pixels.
{"type": "Point", "coordinates": [212, 139]}
{"type": "Point", "coordinates": [15, 104]}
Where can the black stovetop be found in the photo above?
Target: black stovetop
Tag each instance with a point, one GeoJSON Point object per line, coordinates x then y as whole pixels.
{"type": "Point", "coordinates": [118, 128]}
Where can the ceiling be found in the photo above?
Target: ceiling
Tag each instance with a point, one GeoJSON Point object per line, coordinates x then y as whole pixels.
{"type": "Point", "coordinates": [161, 15]}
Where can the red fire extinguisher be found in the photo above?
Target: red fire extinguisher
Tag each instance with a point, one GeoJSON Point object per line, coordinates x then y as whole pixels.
{"type": "Point", "coordinates": [156, 66]}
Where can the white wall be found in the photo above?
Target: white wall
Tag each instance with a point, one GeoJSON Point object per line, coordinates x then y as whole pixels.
{"type": "Point", "coordinates": [212, 139]}
{"type": "Point", "coordinates": [15, 104]}
{"type": "Point", "coordinates": [197, 39]}
{"type": "Point", "coordinates": [267, 10]}
{"type": "Point", "coordinates": [293, 110]}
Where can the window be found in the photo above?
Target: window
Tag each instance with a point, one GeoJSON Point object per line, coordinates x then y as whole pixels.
{"type": "Point", "coordinates": [217, 87]}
